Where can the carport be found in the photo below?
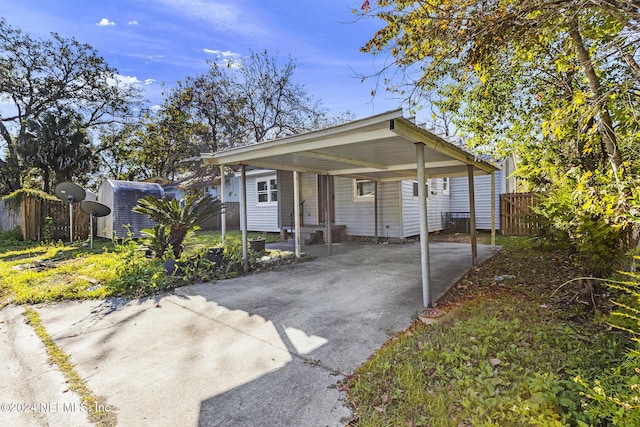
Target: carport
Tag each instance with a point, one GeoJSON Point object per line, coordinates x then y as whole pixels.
{"type": "Point", "coordinates": [380, 148]}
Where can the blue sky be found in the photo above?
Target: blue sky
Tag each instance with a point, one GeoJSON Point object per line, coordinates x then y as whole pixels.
{"type": "Point", "coordinates": [156, 41]}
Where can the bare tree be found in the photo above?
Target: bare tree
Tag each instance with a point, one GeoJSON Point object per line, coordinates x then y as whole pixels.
{"type": "Point", "coordinates": [250, 101]}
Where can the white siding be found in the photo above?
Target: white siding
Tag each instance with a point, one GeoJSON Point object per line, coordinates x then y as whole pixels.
{"type": "Point", "coordinates": [508, 167]}
{"type": "Point", "coordinates": [260, 216]}
{"type": "Point", "coordinates": [437, 204]}
{"type": "Point", "coordinates": [358, 215]}
{"type": "Point", "coordinates": [482, 185]}
{"type": "Point", "coordinates": [309, 195]}
{"type": "Point", "coordinates": [285, 198]}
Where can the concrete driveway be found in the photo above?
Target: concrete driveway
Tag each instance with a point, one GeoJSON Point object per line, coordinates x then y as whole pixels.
{"type": "Point", "coordinates": [266, 349]}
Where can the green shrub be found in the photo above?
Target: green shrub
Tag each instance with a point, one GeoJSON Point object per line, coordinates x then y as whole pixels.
{"type": "Point", "coordinates": [176, 221]}
{"type": "Point", "coordinates": [156, 239]}
{"type": "Point", "coordinates": [10, 237]}
{"type": "Point", "coordinates": [614, 398]}
{"type": "Point", "coordinates": [47, 230]}
{"type": "Point", "coordinates": [136, 275]}
{"type": "Point", "coordinates": [590, 214]}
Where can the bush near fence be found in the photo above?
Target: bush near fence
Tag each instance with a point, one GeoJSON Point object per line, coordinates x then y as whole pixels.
{"type": "Point", "coordinates": [32, 210]}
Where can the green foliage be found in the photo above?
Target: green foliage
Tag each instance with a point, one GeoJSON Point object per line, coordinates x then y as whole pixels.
{"type": "Point", "coordinates": [588, 212]}
{"type": "Point", "coordinates": [47, 230]}
{"type": "Point", "coordinates": [527, 79]}
{"type": "Point", "coordinates": [135, 274]}
{"type": "Point", "coordinates": [497, 361]}
{"type": "Point", "coordinates": [156, 239]}
{"type": "Point", "coordinates": [59, 72]}
{"type": "Point", "coordinates": [614, 399]}
{"type": "Point", "coordinates": [11, 237]}
{"type": "Point", "coordinates": [614, 396]}
{"type": "Point", "coordinates": [176, 219]}
{"type": "Point", "coordinates": [58, 146]}
{"type": "Point", "coordinates": [34, 273]}
{"type": "Point", "coordinates": [14, 199]}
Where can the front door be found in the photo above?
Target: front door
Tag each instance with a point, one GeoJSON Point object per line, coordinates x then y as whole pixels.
{"type": "Point", "coordinates": [323, 200]}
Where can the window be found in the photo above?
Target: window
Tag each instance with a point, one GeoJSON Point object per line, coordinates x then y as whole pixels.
{"type": "Point", "coordinates": [427, 189]}
{"type": "Point", "coordinates": [267, 191]}
{"type": "Point", "coordinates": [445, 185]}
{"type": "Point", "coordinates": [363, 189]}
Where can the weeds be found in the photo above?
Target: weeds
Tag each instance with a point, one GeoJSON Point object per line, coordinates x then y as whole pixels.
{"type": "Point", "coordinates": [488, 363]}
{"type": "Point", "coordinates": [506, 353]}
{"type": "Point", "coordinates": [34, 273]}
{"type": "Point", "coordinates": [62, 360]}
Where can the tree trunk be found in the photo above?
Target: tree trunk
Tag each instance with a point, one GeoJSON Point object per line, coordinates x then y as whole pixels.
{"type": "Point", "coordinates": [605, 123]}
{"type": "Point", "coordinates": [628, 58]}
{"type": "Point", "coordinates": [46, 180]}
{"type": "Point", "coordinates": [13, 168]}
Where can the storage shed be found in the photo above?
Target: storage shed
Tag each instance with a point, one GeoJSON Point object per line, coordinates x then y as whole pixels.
{"type": "Point", "coordinates": [121, 197]}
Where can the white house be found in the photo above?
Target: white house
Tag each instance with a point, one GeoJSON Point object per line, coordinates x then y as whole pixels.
{"type": "Point", "coordinates": [387, 151]}
{"type": "Point", "coordinates": [504, 183]}
{"type": "Point", "coordinates": [270, 204]}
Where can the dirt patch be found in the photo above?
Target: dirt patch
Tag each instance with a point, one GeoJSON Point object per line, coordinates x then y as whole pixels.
{"type": "Point", "coordinates": [530, 273]}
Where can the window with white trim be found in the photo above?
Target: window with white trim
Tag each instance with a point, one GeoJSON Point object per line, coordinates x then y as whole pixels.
{"type": "Point", "coordinates": [363, 189]}
{"type": "Point", "coordinates": [427, 189]}
{"type": "Point", "coordinates": [267, 190]}
{"type": "Point", "coordinates": [445, 185]}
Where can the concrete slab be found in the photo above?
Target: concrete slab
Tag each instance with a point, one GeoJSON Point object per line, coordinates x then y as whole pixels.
{"type": "Point", "coordinates": [264, 349]}
{"type": "Point", "coordinates": [32, 391]}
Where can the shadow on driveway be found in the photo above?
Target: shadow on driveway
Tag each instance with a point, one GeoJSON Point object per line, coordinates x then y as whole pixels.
{"type": "Point", "coordinates": [263, 349]}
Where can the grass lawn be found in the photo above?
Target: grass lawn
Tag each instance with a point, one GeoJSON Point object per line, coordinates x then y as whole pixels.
{"type": "Point", "coordinates": [505, 353]}
{"type": "Point", "coordinates": [33, 272]}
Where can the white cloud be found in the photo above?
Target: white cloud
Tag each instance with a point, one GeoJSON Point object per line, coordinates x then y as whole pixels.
{"type": "Point", "coordinates": [228, 58]}
{"type": "Point", "coordinates": [120, 80]}
{"type": "Point", "coordinates": [220, 53]}
{"type": "Point", "coordinates": [132, 23]}
{"type": "Point", "coordinates": [104, 22]}
{"type": "Point", "coordinates": [149, 81]}
{"type": "Point", "coordinates": [127, 79]}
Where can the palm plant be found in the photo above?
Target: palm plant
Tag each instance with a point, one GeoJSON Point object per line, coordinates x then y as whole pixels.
{"type": "Point", "coordinates": [178, 219]}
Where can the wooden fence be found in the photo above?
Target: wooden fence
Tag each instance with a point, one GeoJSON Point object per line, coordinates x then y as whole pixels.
{"type": "Point", "coordinates": [516, 214]}
{"type": "Point", "coordinates": [31, 215]}
{"type": "Point", "coordinates": [35, 211]}
{"type": "Point", "coordinates": [9, 218]}
{"type": "Point", "coordinates": [232, 213]}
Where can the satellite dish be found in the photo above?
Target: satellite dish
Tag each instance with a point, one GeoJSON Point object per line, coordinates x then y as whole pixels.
{"type": "Point", "coordinates": [70, 193]}
{"type": "Point", "coordinates": [94, 209]}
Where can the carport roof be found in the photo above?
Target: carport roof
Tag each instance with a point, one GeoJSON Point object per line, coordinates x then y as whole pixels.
{"type": "Point", "coordinates": [377, 148]}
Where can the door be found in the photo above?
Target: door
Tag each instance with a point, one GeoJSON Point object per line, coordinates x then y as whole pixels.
{"type": "Point", "coordinates": [323, 199]}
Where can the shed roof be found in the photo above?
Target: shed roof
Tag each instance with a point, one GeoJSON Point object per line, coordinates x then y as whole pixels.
{"type": "Point", "coordinates": [378, 148]}
{"type": "Point", "coordinates": [119, 185]}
